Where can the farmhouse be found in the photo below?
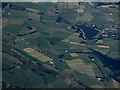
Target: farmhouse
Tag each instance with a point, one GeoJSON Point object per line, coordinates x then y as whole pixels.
{"type": "Point", "coordinates": [99, 78]}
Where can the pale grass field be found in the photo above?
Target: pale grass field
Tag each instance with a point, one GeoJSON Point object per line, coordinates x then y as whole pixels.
{"type": "Point", "coordinates": [4, 22]}
{"type": "Point", "coordinates": [74, 54]}
{"type": "Point", "coordinates": [37, 55]}
{"type": "Point", "coordinates": [16, 21]}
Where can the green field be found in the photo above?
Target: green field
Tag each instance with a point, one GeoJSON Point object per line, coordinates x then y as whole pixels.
{"type": "Point", "coordinates": [13, 28]}
{"type": "Point", "coordinates": [15, 21]}
{"type": "Point", "coordinates": [87, 79]}
{"type": "Point", "coordinates": [34, 16]}
{"type": "Point", "coordinates": [24, 80]}
{"type": "Point", "coordinates": [15, 13]}
{"type": "Point", "coordinates": [11, 58]}
{"type": "Point", "coordinates": [87, 17]}
{"type": "Point", "coordinates": [79, 66]}
{"type": "Point", "coordinates": [21, 44]}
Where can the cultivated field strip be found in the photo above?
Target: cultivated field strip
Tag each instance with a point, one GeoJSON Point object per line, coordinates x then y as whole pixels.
{"type": "Point", "coordinates": [37, 55]}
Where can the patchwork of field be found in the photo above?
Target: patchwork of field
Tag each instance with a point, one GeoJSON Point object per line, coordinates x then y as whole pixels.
{"type": "Point", "coordinates": [37, 55]}
{"type": "Point", "coordinates": [88, 80]}
{"type": "Point", "coordinates": [64, 33]}
{"type": "Point", "coordinates": [62, 46]}
{"type": "Point", "coordinates": [81, 48]}
{"type": "Point", "coordinates": [78, 65]}
{"type": "Point", "coordinates": [113, 47]}
{"type": "Point", "coordinates": [110, 42]}
{"type": "Point", "coordinates": [74, 38]}
{"type": "Point", "coordinates": [102, 50]}
{"type": "Point", "coordinates": [65, 80]}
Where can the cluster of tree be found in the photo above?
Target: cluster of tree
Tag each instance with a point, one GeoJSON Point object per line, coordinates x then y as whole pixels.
{"type": "Point", "coordinates": [17, 7]}
{"type": "Point", "coordinates": [4, 5]}
{"type": "Point", "coordinates": [106, 3]}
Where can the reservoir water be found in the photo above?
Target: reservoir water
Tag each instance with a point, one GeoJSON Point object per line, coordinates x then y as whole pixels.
{"type": "Point", "coordinates": [90, 33]}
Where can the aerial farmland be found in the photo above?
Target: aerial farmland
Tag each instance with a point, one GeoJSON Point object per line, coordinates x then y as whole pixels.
{"type": "Point", "coordinates": [60, 45]}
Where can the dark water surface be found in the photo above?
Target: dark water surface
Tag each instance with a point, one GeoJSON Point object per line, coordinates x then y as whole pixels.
{"type": "Point", "coordinates": [90, 33]}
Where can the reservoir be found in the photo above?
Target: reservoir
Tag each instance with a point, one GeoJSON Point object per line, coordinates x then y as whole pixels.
{"type": "Point", "coordinates": [87, 32]}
